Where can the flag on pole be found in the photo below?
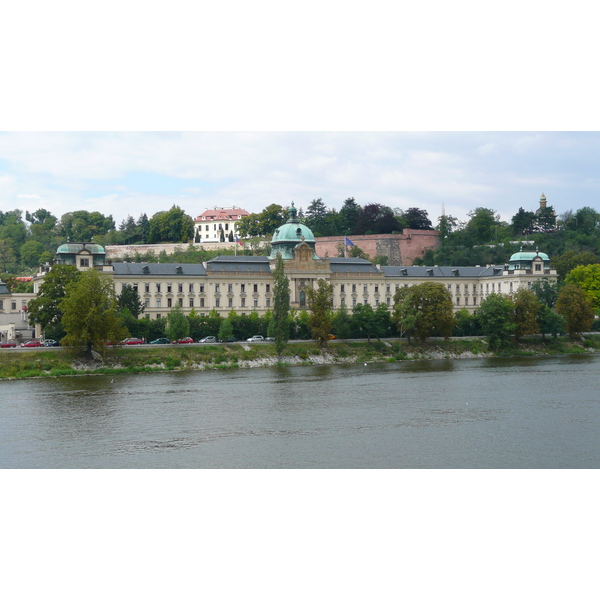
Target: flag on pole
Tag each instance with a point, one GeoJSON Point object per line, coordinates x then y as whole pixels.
{"type": "Point", "coordinates": [237, 239]}
{"type": "Point", "coordinates": [349, 242]}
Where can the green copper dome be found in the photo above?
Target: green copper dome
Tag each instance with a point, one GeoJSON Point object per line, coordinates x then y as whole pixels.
{"type": "Point", "coordinates": [289, 235]}
{"type": "Point", "coordinates": [528, 256]}
{"type": "Point", "coordinates": [72, 248]}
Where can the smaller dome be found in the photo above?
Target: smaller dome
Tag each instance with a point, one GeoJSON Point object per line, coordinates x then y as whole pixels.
{"type": "Point", "coordinates": [72, 248]}
{"type": "Point", "coordinates": [528, 256]}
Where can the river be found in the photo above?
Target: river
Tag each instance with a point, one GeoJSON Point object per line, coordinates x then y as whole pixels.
{"type": "Point", "coordinates": [532, 412]}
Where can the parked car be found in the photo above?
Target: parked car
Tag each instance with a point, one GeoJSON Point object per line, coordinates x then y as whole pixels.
{"type": "Point", "coordinates": [32, 344]}
{"type": "Point", "coordinates": [185, 340]}
{"type": "Point", "coordinates": [51, 343]}
{"type": "Point", "coordinates": [8, 344]}
{"type": "Point", "coordinates": [269, 339]}
{"type": "Point", "coordinates": [331, 337]}
{"type": "Point", "coordinates": [132, 342]}
{"type": "Point", "coordinates": [228, 340]}
{"type": "Point", "coordinates": [209, 339]}
{"type": "Point", "coordinates": [256, 338]}
{"type": "Point", "coordinates": [161, 341]}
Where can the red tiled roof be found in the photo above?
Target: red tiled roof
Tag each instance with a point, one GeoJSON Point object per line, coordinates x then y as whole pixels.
{"type": "Point", "coordinates": [222, 214]}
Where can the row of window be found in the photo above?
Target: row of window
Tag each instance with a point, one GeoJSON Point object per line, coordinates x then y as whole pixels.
{"type": "Point", "coordinates": [169, 287]}
{"type": "Point", "coordinates": [13, 305]}
{"type": "Point", "coordinates": [202, 303]}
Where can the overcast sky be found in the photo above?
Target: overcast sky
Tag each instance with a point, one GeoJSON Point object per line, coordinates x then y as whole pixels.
{"type": "Point", "coordinates": [131, 173]}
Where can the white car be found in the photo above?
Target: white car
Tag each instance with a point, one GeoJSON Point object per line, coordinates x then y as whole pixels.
{"type": "Point", "coordinates": [256, 338]}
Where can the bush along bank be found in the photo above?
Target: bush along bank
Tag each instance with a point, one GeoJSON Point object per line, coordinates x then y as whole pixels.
{"type": "Point", "coordinates": [51, 363]}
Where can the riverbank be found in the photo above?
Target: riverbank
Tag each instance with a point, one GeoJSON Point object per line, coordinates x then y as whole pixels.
{"type": "Point", "coordinates": [52, 363]}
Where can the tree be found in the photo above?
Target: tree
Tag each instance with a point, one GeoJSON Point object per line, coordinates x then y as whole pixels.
{"type": "Point", "coordinates": [550, 322]}
{"type": "Point", "coordinates": [31, 251]}
{"type": "Point", "coordinates": [45, 309]}
{"type": "Point", "coordinates": [417, 218]}
{"type": "Point", "coordinates": [82, 226]}
{"type": "Point", "coordinates": [341, 324]}
{"type": "Point", "coordinates": [566, 262]}
{"type": "Point", "coordinates": [363, 321]}
{"type": "Point", "coordinates": [522, 222]}
{"type": "Point", "coordinates": [178, 326]}
{"type": "Point", "coordinates": [446, 225]}
{"type": "Point", "coordinates": [319, 318]}
{"type": "Point", "coordinates": [170, 226]}
{"type": "Point", "coordinates": [495, 316]}
{"type": "Point", "coordinates": [577, 309]}
{"type": "Point", "coordinates": [225, 330]}
{"type": "Point", "coordinates": [588, 279]}
{"type": "Point", "coordinates": [430, 304]}
{"type": "Point", "coordinates": [280, 319]}
{"type": "Point", "coordinates": [481, 228]}
{"type": "Point", "coordinates": [526, 309]}
{"type": "Point", "coordinates": [130, 299]}
{"type": "Point", "coordinates": [546, 292]}
{"type": "Point", "coordinates": [316, 214]}
{"type": "Point", "coordinates": [349, 216]}
{"type": "Point", "coordinates": [90, 312]}
{"type": "Point", "coordinates": [404, 315]}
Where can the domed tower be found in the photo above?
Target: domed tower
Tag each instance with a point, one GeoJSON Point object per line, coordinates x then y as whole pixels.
{"type": "Point", "coordinates": [287, 238]}
{"type": "Point", "coordinates": [83, 255]}
{"type": "Point", "coordinates": [543, 203]}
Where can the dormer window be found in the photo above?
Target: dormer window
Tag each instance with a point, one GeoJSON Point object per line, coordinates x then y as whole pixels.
{"type": "Point", "coordinates": [298, 232]}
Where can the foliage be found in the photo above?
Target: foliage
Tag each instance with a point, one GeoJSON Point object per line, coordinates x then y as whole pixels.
{"type": "Point", "coordinates": [170, 226]}
{"type": "Point", "coordinates": [45, 308]}
{"type": "Point", "coordinates": [526, 309]}
{"type": "Point", "coordinates": [90, 312]}
{"type": "Point", "coordinates": [280, 319]}
{"type": "Point", "coordinates": [130, 299]}
{"type": "Point", "coordinates": [178, 325]}
{"type": "Point", "coordinates": [225, 330]}
{"type": "Point", "coordinates": [341, 324]}
{"type": "Point", "coordinates": [417, 218]}
{"type": "Point", "coordinates": [588, 279]}
{"type": "Point", "coordinates": [319, 318]}
{"type": "Point", "coordinates": [550, 322]}
{"type": "Point", "coordinates": [363, 321]}
{"type": "Point", "coordinates": [546, 292]}
{"type": "Point", "coordinates": [428, 305]}
{"type": "Point", "coordinates": [467, 324]}
{"type": "Point", "coordinates": [263, 223]}
{"type": "Point", "coordinates": [522, 222]}
{"type": "Point", "coordinates": [577, 309]}
{"type": "Point", "coordinates": [84, 226]}
{"type": "Point", "coordinates": [495, 316]}
{"type": "Point", "coordinates": [569, 260]}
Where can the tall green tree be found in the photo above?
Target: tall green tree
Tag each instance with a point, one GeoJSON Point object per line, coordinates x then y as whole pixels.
{"type": "Point", "coordinates": [280, 319]}
{"type": "Point", "coordinates": [430, 304]}
{"type": "Point", "coordinates": [588, 279]}
{"type": "Point", "coordinates": [319, 318]}
{"type": "Point", "coordinates": [363, 321]}
{"type": "Point", "coordinates": [178, 325]}
{"type": "Point", "coordinates": [130, 299]}
{"type": "Point", "coordinates": [90, 312]}
{"type": "Point", "coordinates": [45, 309]}
{"type": "Point", "coordinates": [417, 218]}
{"type": "Point", "coordinates": [526, 310]}
{"type": "Point", "coordinates": [495, 316]}
{"type": "Point", "coordinates": [170, 226]}
{"type": "Point", "coordinates": [577, 309]}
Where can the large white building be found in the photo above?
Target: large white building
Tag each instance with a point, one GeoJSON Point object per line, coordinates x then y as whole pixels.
{"type": "Point", "coordinates": [208, 225]}
{"type": "Point", "coordinates": [245, 283]}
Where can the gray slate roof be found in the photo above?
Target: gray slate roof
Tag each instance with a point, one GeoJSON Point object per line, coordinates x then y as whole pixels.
{"type": "Point", "coordinates": [241, 264]}
{"type": "Point", "coordinates": [159, 269]}
{"type": "Point", "coordinates": [437, 272]}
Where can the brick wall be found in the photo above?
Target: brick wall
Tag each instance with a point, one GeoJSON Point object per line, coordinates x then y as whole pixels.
{"type": "Point", "coordinates": [401, 249]}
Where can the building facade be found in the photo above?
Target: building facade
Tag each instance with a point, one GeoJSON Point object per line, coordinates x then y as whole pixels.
{"type": "Point", "coordinates": [217, 224]}
{"type": "Point", "coordinates": [14, 322]}
{"type": "Point", "coordinates": [245, 283]}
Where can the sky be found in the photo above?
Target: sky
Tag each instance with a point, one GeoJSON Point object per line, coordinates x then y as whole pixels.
{"type": "Point", "coordinates": [120, 173]}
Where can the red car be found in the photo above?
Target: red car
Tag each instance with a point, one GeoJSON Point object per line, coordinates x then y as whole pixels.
{"type": "Point", "coordinates": [32, 344]}
{"type": "Point", "coordinates": [185, 340]}
{"type": "Point", "coordinates": [132, 341]}
{"type": "Point", "coordinates": [9, 344]}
